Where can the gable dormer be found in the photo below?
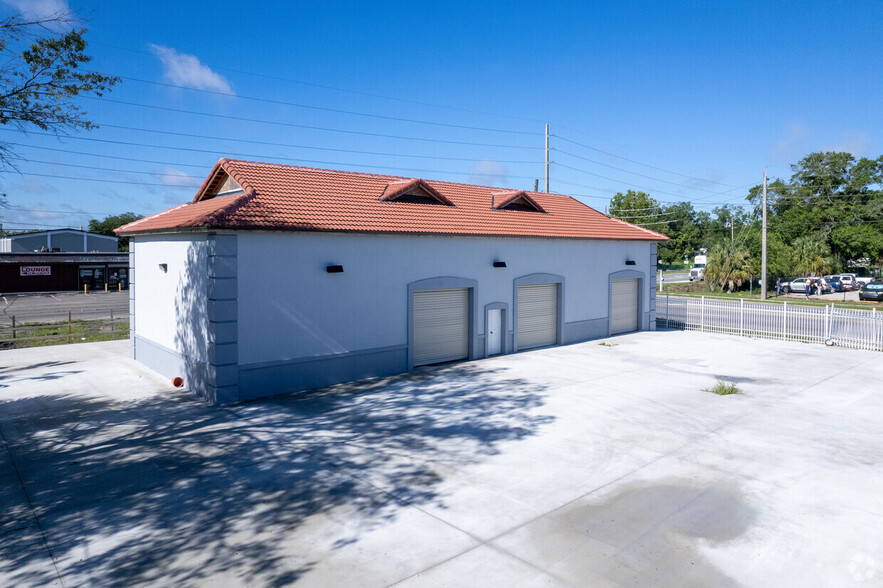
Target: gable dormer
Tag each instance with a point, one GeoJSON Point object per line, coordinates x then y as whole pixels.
{"type": "Point", "coordinates": [219, 184]}
{"type": "Point", "coordinates": [515, 200]}
{"type": "Point", "coordinates": [414, 191]}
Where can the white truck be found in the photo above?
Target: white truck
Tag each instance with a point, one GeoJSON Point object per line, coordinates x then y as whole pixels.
{"type": "Point", "coordinates": [697, 272]}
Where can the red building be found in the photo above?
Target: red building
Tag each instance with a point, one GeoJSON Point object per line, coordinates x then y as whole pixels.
{"type": "Point", "coordinates": [59, 272]}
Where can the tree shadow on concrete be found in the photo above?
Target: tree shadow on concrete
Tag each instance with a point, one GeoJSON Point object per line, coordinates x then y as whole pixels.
{"type": "Point", "coordinates": [13, 374]}
{"type": "Point", "coordinates": [167, 490]}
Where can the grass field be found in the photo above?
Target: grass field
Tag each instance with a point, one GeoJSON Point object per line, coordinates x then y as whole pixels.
{"type": "Point", "coordinates": [62, 333]}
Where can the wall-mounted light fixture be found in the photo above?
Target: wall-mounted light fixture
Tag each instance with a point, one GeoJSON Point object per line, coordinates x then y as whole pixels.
{"type": "Point", "coordinates": [334, 269]}
{"type": "Point", "coordinates": [499, 264]}
{"type": "Point", "coordinates": [630, 262]}
{"type": "Point", "coordinates": [164, 268]}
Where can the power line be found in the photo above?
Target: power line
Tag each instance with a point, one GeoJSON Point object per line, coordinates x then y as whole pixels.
{"type": "Point", "coordinates": [103, 156]}
{"type": "Point", "coordinates": [273, 144]}
{"type": "Point", "coordinates": [635, 185]}
{"type": "Point", "coordinates": [334, 110]}
{"type": "Point", "coordinates": [335, 88]}
{"type": "Point", "coordinates": [639, 174]}
{"type": "Point", "coordinates": [18, 208]}
{"type": "Point", "coordinates": [309, 127]}
{"type": "Point", "coordinates": [102, 180]}
{"type": "Point", "coordinates": [584, 146]}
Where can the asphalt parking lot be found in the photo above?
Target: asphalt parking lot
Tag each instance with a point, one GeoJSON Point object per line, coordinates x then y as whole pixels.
{"type": "Point", "coordinates": [585, 465]}
{"type": "Point", "coordinates": [56, 306]}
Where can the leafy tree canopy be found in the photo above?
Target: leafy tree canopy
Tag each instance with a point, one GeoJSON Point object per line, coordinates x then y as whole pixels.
{"type": "Point", "coordinates": [115, 221]}
{"type": "Point", "coordinates": [40, 76]}
{"type": "Point", "coordinates": [729, 266]}
{"type": "Point", "coordinates": [831, 198]}
{"type": "Point", "coordinates": [637, 208]}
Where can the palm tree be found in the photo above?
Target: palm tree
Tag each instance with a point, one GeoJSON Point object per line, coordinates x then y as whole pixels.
{"type": "Point", "coordinates": [812, 256]}
{"type": "Point", "coordinates": [729, 266]}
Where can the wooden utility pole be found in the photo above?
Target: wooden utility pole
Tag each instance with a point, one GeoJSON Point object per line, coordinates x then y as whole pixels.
{"type": "Point", "coordinates": [763, 245]}
{"type": "Point", "coordinates": [547, 158]}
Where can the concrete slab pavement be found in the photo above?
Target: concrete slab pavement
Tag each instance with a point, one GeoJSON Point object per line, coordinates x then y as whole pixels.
{"type": "Point", "coordinates": [570, 466]}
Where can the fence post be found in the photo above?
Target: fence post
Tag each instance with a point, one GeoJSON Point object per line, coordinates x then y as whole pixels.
{"type": "Point", "coordinates": [666, 310]}
{"type": "Point", "coordinates": [874, 329]}
{"type": "Point", "coordinates": [68, 326]}
{"type": "Point", "coordinates": [784, 320]}
{"type": "Point", "coordinates": [702, 314]}
{"type": "Point", "coordinates": [741, 315]}
{"type": "Point", "coordinates": [111, 324]}
{"type": "Point", "coordinates": [827, 323]}
{"type": "Point", "coordinates": [13, 326]}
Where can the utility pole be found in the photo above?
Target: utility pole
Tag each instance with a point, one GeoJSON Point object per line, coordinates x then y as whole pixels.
{"type": "Point", "coordinates": [536, 185]}
{"type": "Point", "coordinates": [547, 158]}
{"type": "Point", "coordinates": [732, 239]}
{"type": "Point", "coordinates": [763, 245]}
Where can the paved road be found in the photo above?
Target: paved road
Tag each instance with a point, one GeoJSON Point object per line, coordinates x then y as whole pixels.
{"type": "Point", "coordinates": [54, 307]}
{"type": "Point", "coordinates": [675, 278]}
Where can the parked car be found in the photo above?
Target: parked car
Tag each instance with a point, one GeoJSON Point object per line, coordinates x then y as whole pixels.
{"type": "Point", "coordinates": [872, 291]}
{"type": "Point", "coordinates": [799, 285]}
{"type": "Point", "coordinates": [848, 282]}
{"type": "Point", "coordinates": [835, 283]}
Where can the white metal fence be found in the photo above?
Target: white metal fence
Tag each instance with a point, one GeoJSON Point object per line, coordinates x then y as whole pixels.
{"type": "Point", "coordinates": [844, 327]}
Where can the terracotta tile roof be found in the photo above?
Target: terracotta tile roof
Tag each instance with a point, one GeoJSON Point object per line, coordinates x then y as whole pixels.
{"type": "Point", "coordinates": [291, 198]}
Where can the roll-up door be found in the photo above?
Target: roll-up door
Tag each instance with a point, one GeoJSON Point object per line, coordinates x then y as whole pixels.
{"type": "Point", "coordinates": [623, 306]}
{"type": "Point", "coordinates": [441, 325]}
{"type": "Point", "coordinates": [537, 315]}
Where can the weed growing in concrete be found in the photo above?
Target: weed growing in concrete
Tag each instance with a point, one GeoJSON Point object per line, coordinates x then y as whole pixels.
{"type": "Point", "coordinates": [605, 344]}
{"type": "Point", "coordinates": [723, 388]}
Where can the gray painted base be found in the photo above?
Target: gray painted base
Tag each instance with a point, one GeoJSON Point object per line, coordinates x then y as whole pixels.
{"type": "Point", "coordinates": [171, 364]}
{"type": "Point", "coordinates": [268, 379]}
{"type": "Point", "coordinates": [258, 380]}
{"type": "Point", "coordinates": [580, 331]}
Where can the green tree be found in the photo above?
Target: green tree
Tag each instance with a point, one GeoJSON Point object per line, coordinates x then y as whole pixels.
{"type": "Point", "coordinates": [811, 256]}
{"type": "Point", "coordinates": [729, 265]}
{"type": "Point", "coordinates": [833, 198]}
{"type": "Point", "coordinates": [40, 77]}
{"type": "Point", "coordinates": [106, 226]}
{"type": "Point", "coordinates": [637, 208]}
{"type": "Point", "coordinates": [683, 228]}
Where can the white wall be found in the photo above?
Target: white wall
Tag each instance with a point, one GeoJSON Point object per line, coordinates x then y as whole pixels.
{"type": "Point", "coordinates": [289, 307]}
{"type": "Point", "coordinates": [170, 307]}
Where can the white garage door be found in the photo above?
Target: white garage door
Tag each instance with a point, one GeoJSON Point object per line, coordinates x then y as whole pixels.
{"type": "Point", "coordinates": [537, 315]}
{"type": "Point", "coordinates": [441, 325]}
{"type": "Point", "coordinates": [623, 306]}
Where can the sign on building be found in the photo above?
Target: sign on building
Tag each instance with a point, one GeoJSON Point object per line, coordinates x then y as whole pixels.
{"type": "Point", "coordinates": [35, 270]}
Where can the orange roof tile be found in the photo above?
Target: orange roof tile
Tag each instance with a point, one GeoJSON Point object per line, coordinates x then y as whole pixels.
{"type": "Point", "coordinates": [291, 198]}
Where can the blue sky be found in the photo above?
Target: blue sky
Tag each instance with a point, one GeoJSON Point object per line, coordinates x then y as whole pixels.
{"type": "Point", "coordinates": [683, 100]}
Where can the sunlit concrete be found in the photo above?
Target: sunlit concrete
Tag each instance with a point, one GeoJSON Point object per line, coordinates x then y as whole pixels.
{"type": "Point", "coordinates": [585, 465]}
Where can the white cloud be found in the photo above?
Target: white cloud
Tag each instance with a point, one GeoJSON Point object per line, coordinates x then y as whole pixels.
{"type": "Point", "coordinates": [488, 173]}
{"type": "Point", "coordinates": [187, 70]}
{"type": "Point", "coordinates": [175, 178]}
{"type": "Point", "coordinates": [857, 144]}
{"type": "Point", "coordinates": [39, 9]}
{"type": "Point", "coordinates": [792, 146]}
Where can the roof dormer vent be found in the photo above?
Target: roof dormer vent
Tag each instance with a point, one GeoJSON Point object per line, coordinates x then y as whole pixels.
{"type": "Point", "coordinates": [515, 200]}
{"type": "Point", "coordinates": [414, 191]}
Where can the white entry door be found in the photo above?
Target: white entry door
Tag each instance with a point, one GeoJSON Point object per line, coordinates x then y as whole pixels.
{"type": "Point", "coordinates": [494, 331]}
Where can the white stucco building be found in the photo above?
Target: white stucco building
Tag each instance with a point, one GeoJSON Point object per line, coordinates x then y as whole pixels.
{"type": "Point", "coordinates": [279, 278]}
